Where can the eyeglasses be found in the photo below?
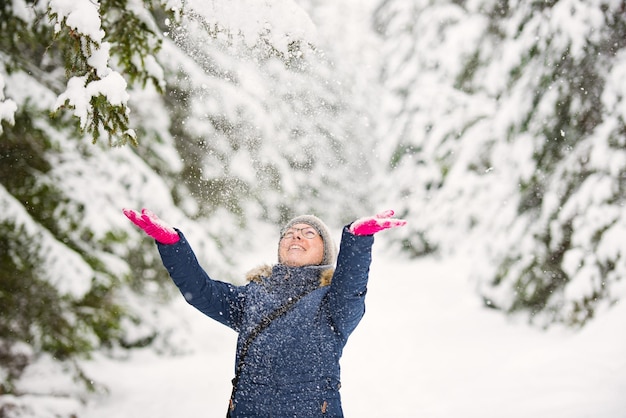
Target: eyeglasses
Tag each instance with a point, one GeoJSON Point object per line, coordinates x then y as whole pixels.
{"type": "Point", "coordinates": [307, 232]}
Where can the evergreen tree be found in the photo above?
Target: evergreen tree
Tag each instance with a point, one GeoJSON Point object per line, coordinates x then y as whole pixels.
{"type": "Point", "coordinates": [61, 281]}
{"type": "Point", "coordinates": [265, 131]}
{"type": "Point", "coordinates": [508, 131]}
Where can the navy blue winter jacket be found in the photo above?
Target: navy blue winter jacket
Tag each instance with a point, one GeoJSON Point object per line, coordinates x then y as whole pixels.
{"type": "Point", "coordinates": [292, 367]}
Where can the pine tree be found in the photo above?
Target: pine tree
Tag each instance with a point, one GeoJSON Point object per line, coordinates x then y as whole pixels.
{"type": "Point", "coordinates": [266, 131]}
{"type": "Point", "coordinates": [58, 294]}
{"type": "Point", "coordinates": [509, 132]}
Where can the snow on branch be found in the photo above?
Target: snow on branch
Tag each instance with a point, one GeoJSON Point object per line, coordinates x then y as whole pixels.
{"type": "Point", "coordinates": [7, 107]}
{"type": "Point", "coordinates": [106, 46]}
{"type": "Point", "coordinates": [283, 21]}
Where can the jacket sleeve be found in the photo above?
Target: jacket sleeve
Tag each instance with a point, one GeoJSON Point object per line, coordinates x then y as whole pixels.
{"type": "Point", "coordinates": [218, 300]}
{"type": "Point", "coordinates": [349, 284]}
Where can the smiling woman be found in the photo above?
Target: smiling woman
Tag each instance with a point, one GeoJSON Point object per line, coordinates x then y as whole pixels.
{"type": "Point", "coordinates": [293, 318]}
{"type": "Point", "coordinates": [298, 249]}
{"type": "Point", "coordinates": [305, 240]}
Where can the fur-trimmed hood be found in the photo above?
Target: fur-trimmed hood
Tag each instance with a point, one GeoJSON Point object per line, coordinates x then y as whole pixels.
{"type": "Point", "coordinates": [258, 274]}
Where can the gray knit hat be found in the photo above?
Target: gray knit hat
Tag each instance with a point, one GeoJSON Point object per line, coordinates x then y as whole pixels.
{"type": "Point", "coordinates": [330, 249]}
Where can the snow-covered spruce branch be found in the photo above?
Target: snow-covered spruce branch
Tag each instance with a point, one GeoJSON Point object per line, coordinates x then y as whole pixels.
{"type": "Point", "coordinates": [105, 47]}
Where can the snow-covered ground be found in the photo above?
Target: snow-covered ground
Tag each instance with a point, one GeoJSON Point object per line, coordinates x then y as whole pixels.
{"type": "Point", "coordinates": [426, 348]}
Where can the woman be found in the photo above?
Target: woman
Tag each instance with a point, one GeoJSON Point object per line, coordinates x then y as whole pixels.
{"type": "Point", "coordinates": [293, 318]}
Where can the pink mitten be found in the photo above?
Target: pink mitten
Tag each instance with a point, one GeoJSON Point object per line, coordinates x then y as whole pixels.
{"type": "Point", "coordinates": [374, 224]}
{"type": "Point", "coordinates": [153, 226]}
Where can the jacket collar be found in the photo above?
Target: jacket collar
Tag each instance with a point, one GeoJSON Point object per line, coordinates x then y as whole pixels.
{"type": "Point", "coordinates": [270, 273]}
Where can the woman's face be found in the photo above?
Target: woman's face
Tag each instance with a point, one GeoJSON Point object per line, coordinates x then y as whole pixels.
{"type": "Point", "coordinates": [301, 245]}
